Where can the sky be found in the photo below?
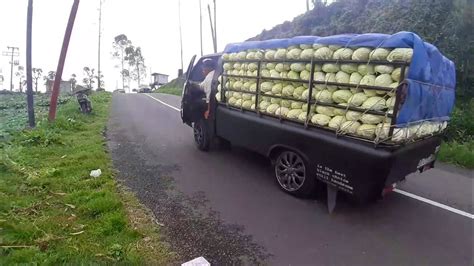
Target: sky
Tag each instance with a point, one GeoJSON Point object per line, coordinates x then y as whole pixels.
{"type": "Point", "coordinates": [150, 24]}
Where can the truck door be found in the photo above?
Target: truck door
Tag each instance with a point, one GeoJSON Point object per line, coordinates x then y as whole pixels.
{"type": "Point", "coordinates": [185, 101]}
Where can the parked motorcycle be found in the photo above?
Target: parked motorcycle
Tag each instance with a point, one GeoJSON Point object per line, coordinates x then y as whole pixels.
{"type": "Point", "coordinates": [84, 102]}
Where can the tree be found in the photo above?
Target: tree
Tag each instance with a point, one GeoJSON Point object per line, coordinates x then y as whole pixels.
{"type": "Point", "coordinates": [37, 72]}
{"type": "Point", "coordinates": [100, 77]}
{"type": "Point", "coordinates": [89, 80]}
{"type": "Point", "coordinates": [137, 61]}
{"type": "Point", "coordinates": [121, 42]}
{"type": "Point", "coordinates": [20, 73]}
{"type": "Point", "coordinates": [51, 75]}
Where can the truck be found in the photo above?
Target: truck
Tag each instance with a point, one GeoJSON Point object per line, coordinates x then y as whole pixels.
{"type": "Point", "coordinates": [306, 154]}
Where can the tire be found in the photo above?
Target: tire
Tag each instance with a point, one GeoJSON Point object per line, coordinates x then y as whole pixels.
{"type": "Point", "coordinates": [201, 135]}
{"type": "Point", "coordinates": [293, 174]}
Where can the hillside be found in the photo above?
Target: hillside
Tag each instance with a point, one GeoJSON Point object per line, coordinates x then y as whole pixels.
{"type": "Point", "coordinates": [446, 24]}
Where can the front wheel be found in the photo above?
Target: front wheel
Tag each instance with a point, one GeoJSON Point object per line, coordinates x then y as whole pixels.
{"type": "Point", "coordinates": [201, 135]}
{"type": "Point", "coordinates": [292, 174]}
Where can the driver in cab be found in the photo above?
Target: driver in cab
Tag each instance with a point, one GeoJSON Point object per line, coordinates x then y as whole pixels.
{"type": "Point", "coordinates": [208, 67]}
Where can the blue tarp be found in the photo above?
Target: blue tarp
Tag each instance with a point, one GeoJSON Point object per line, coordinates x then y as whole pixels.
{"type": "Point", "coordinates": [431, 77]}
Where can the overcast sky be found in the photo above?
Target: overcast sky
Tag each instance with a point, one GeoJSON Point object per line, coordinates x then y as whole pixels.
{"type": "Point", "coordinates": [150, 24]}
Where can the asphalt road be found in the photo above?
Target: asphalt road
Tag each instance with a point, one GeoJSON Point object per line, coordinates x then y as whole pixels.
{"type": "Point", "coordinates": [225, 205]}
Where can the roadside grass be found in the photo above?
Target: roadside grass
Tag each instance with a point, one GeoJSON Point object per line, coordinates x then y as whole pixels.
{"type": "Point", "coordinates": [174, 87]}
{"type": "Point", "coordinates": [53, 212]}
{"type": "Point", "coordinates": [173, 91]}
{"type": "Point", "coordinates": [461, 154]}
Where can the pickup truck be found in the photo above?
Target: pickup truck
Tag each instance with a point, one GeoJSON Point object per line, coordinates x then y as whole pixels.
{"type": "Point", "coordinates": [305, 156]}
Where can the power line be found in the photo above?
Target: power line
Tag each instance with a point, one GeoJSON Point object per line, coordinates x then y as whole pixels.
{"type": "Point", "coordinates": [12, 54]}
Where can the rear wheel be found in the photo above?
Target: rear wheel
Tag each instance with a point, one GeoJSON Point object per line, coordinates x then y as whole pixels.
{"type": "Point", "coordinates": [292, 174]}
{"type": "Point", "coordinates": [201, 135]}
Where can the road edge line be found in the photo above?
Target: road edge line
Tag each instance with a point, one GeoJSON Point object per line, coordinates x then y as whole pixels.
{"type": "Point", "coordinates": [434, 203]}
{"type": "Point", "coordinates": [160, 101]}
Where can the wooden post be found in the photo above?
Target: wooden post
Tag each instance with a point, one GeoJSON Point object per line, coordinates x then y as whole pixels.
{"type": "Point", "coordinates": [29, 75]}
{"type": "Point", "coordinates": [62, 59]}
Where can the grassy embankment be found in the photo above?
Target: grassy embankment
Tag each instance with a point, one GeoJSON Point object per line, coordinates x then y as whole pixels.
{"type": "Point", "coordinates": [174, 87]}
{"type": "Point", "coordinates": [53, 212]}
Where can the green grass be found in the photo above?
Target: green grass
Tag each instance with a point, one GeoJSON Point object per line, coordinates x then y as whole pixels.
{"type": "Point", "coordinates": [174, 87]}
{"type": "Point", "coordinates": [461, 154]}
{"type": "Point", "coordinates": [53, 212]}
{"type": "Point", "coordinates": [173, 91]}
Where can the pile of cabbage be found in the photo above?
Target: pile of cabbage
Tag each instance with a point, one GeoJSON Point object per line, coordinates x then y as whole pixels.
{"type": "Point", "coordinates": [342, 120]}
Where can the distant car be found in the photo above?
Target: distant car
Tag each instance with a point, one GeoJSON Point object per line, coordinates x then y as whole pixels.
{"type": "Point", "coordinates": [144, 90]}
{"type": "Point", "coordinates": [119, 91]}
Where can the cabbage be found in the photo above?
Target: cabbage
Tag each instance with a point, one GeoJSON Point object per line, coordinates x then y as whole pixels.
{"type": "Point", "coordinates": [270, 54]}
{"type": "Point", "coordinates": [324, 96]}
{"type": "Point", "coordinates": [270, 66]}
{"type": "Point", "coordinates": [252, 66]}
{"type": "Point", "coordinates": [266, 86]}
{"type": "Point", "coordinates": [330, 68]}
{"type": "Point", "coordinates": [228, 94]}
{"type": "Point", "coordinates": [227, 66]}
{"type": "Point", "coordinates": [244, 66]}
{"type": "Point", "coordinates": [361, 54]}
{"type": "Point", "coordinates": [396, 74]}
{"type": "Point", "coordinates": [233, 56]}
{"type": "Point", "coordinates": [305, 94]}
{"type": "Point", "coordinates": [342, 77]}
{"type": "Point", "coordinates": [263, 106]}
{"type": "Point", "coordinates": [374, 103]}
{"type": "Point", "coordinates": [307, 53]}
{"type": "Point", "coordinates": [255, 73]}
{"type": "Point", "coordinates": [265, 98]}
{"type": "Point", "coordinates": [349, 68]}
{"type": "Point", "coordinates": [296, 105]}
{"type": "Point", "coordinates": [253, 106]}
{"type": "Point", "coordinates": [272, 108]}
{"type": "Point", "coordinates": [235, 72]}
{"type": "Point", "coordinates": [282, 111]}
{"type": "Point", "coordinates": [275, 100]}
{"type": "Point", "coordinates": [357, 99]}
{"type": "Point", "coordinates": [323, 53]}
{"type": "Point", "coordinates": [316, 46]}
{"type": "Point", "coordinates": [253, 98]}
{"type": "Point", "coordinates": [241, 55]}
{"type": "Point", "coordinates": [366, 69]}
{"type": "Point", "coordinates": [319, 76]}
{"type": "Point", "coordinates": [353, 115]}
{"type": "Point", "coordinates": [305, 75]}
{"type": "Point", "coordinates": [293, 53]}
{"type": "Point", "coordinates": [218, 96]}
{"type": "Point", "coordinates": [334, 47]}
{"type": "Point", "coordinates": [265, 73]}
{"type": "Point", "coordinates": [400, 54]}
{"type": "Point", "coordinates": [237, 95]}
{"type": "Point", "coordinates": [280, 54]}
{"type": "Point", "coordinates": [238, 102]}
{"type": "Point", "coordinates": [288, 90]}
{"type": "Point", "coordinates": [382, 130]}
{"type": "Point", "coordinates": [274, 73]}
{"type": "Point", "coordinates": [324, 110]}
{"type": "Point", "coordinates": [339, 111]}
{"type": "Point", "coordinates": [390, 102]}
{"type": "Point", "coordinates": [383, 80]}
{"type": "Point", "coordinates": [250, 55]}
{"type": "Point", "coordinates": [320, 119]}
{"type": "Point", "coordinates": [238, 85]}
{"type": "Point", "coordinates": [367, 131]}
{"type": "Point", "coordinates": [303, 116]}
{"type": "Point", "coordinates": [277, 88]}
{"type": "Point", "coordinates": [293, 114]}
{"type": "Point", "coordinates": [368, 80]}
{"type": "Point", "coordinates": [379, 54]}
{"type": "Point", "coordinates": [331, 77]}
{"type": "Point", "coordinates": [242, 72]}
{"type": "Point", "coordinates": [259, 55]}
{"type": "Point", "coordinates": [343, 54]}
{"type": "Point", "coordinates": [225, 56]}
{"type": "Point", "coordinates": [306, 46]}
{"type": "Point", "coordinates": [401, 134]}
{"type": "Point", "coordinates": [316, 67]}
{"type": "Point", "coordinates": [293, 75]}
{"type": "Point", "coordinates": [246, 96]}
{"type": "Point", "coordinates": [284, 74]}
{"type": "Point", "coordinates": [304, 107]}
{"type": "Point", "coordinates": [246, 86]}
{"type": "Point", "coordinates": [249, 73]}
{"type": "Point", "coordinates": [349, 127]}
{"type": "Point", "coordinates": [341, 96]}
{"type": "Point", "coordinates": [297, 93]}
{"type": "Point", "coordinates": [371, 119]}
{"type": "Point", "coordinates": [285, 103]}
{"type": "Point", "coordinates": [247, 104]}
{"type": "Point", "coordinates": [383, 69]}
{"type": "Point", "coordinates": [232, 100]}
{"type": "Point", "coordinates": [297, 67]}
{"type": "Point", "coordinates": [280, 67]}
{"type": "Point", "coordinates": [337, 121]}
{"type": "Point", "coordinates": [253, 87]}
{"type": "Point", "coordinates": [355, 78]}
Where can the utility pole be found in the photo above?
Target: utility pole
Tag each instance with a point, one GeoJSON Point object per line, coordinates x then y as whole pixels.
{"type": "Point", "coordinates": [212, 29]}
{"type": "Point", "coordinates": [180, 34]}
{"type": "Point", "coordinates": [98, 53]}
{"type": "Point", "coordinates": [215, 28]}
{"type": "Point", "coordinates": [29, 74]}
{"type": "Point", "coordinates": [11, 53]}
{"type": "Point", "coordinates": [200, 24]}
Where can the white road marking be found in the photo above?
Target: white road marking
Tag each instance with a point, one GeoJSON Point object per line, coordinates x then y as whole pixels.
{"type": "Point", "coordinates": [170, 106]}
{"type": "Point", "coordinates": [404, 193]}
{"type": "Point", "coordinates": [434, 203]}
